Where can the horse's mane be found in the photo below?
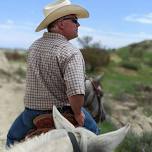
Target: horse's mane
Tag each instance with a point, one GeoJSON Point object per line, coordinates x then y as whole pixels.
{"type": "Point", "coordinates": [42, 142]}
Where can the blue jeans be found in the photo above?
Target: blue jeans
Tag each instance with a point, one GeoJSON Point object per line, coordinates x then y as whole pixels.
{"type": "Point", "coordinates": [89, 122]}
{"type": "Point", "coordinates": [24, 123]}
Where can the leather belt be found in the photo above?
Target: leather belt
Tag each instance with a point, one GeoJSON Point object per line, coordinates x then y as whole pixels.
{"type": "Point", "coordinates": [61, 109]}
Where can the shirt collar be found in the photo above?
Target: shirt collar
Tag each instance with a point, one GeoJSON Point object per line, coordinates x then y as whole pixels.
{"type": "Point", "coordinates": [54, 36]}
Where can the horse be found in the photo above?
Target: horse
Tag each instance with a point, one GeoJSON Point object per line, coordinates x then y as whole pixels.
{"type": "Point", "coordinates": [93, 98]}
{"type": "Point", "coordinates": [92, 103]}
{"type": "Point", "coordinates": [67, 138]}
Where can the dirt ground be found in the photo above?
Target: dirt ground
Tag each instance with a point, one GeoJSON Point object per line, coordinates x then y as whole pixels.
{"type": "Point", "coordinates": [11, 104]}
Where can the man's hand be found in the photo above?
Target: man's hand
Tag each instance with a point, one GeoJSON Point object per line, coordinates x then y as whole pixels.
{"type": "Point", "coordinates": [76, 103]}
{"type": "Point", "coordinates": [80, 118]}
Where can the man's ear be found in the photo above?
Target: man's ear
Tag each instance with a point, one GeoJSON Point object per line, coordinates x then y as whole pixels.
{"type": "Point", "coordinates": [61, 25]}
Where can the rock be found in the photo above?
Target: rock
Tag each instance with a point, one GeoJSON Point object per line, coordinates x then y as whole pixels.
{"type": "Point", "coordinates": [129, 112]}
{"type": "Point", "coordinates": [149, 119]}
{"type": "Point", "coordinates": [2, 145]}
{"type": "Point", "coordinates": [124, 120]}
{"type": "Point", "coordinates": [135, 128]}
{"type": "Point", "coordinates": [131, 105]}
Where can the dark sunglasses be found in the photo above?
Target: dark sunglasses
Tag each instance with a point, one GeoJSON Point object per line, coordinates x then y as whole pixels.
{"type": "Point", "coordinates": [74, 20]}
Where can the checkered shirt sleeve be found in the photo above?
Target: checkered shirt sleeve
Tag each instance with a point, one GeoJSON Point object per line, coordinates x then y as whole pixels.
{"type": "Point", "coordinates": [74, 75]}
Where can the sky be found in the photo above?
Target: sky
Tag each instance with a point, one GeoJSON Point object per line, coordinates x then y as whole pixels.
{"type": "Point", "coordinates": [112, 23]}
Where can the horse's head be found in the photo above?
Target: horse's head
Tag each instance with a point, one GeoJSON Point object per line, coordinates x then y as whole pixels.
{"type": "Point", "coordinates": [93, 98]}
{"type": "Point", "coordinates": [88, 141]}
{"type": "Point", "coordinates": [59, 140]}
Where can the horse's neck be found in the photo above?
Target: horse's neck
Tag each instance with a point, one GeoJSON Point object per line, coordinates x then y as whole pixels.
{"type": "Point", "coordinates": [88, 87]}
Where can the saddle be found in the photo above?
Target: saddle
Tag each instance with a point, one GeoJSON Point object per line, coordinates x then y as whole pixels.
{"type": "Point", "coordinates": [44, 123]}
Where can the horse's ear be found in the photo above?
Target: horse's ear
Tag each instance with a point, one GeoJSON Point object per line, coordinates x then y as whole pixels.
{"type": "Point", "coordinates": [109, 141]}
{"type": "Point", "coordinates": [99, 77]}
{"type": "Point", "coordinates": [61, 122]}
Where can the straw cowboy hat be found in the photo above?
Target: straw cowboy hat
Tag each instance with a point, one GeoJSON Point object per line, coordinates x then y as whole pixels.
{"type": "Point", "coordinates": [59, 9]}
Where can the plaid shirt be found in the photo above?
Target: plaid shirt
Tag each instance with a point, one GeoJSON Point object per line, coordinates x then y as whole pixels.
{"type": "Point", "coordinates": [55, 70]}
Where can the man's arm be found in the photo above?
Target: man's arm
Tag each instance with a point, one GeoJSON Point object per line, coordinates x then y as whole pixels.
{"type": "Point", "coordinates": [76, 103]}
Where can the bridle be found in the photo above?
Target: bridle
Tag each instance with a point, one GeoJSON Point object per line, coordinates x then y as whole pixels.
{"type": "Point", "coordinates": [99, 94]}
{"type": "Point", "coordinates": [74, 142]}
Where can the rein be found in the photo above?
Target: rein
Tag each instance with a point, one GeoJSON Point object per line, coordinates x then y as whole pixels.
{"type": "Point", "coordinates": [74, 142]}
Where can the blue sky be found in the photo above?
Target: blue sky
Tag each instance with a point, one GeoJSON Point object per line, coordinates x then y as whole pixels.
{"type": "Point", "coordinates": [113, 23]}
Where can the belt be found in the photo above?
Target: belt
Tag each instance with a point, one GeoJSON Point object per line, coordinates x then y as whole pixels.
{"type": "Point", "coordinates": [61, 109]}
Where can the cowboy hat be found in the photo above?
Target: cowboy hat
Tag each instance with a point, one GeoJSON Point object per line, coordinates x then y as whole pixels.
{"type": "Point", "coordinates": [59, 9]}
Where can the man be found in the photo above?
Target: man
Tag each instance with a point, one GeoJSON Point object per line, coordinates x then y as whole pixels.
{"type": "Point", "coordinates": [55, 71]}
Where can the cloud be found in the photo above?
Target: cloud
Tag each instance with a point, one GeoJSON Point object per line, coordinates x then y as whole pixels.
{"type": "Point", "coordinates": [14, 34]}
{"type": "Point", "coordinates": [113, 39]}
{"type": "Point", "coordinates": [21, 35]}
{"type": "Point", "coordinates": [86, 29]}
{"type": "Point", "coordinates": [144, 19]}
{"type": "Point", "coordinates": [12, 25]}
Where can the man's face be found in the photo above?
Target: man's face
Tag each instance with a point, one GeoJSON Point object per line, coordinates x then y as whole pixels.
{"type": "Point", "coordinates": [70, 24]}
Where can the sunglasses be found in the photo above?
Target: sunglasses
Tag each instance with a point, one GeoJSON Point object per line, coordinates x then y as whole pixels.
{"type": "Point", "coordinates": [74, 20]}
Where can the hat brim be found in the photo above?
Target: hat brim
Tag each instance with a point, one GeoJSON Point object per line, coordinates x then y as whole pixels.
{"type": "Point", "coordinates": [79, 11]}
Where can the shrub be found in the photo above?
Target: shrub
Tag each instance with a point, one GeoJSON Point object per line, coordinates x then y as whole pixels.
{"type": "Point", "coordinates": [130, 65]}
{"type": "Point", "coordinates": [20, 72]}
{"type": "Point", "coordinates": [15, 56]}
{"type": "Point", "coordinates": [95, 58]}
{"type": "Point", "coordinates": [135, 143]}
{"type": "Point", "coordinates": [107, 126]}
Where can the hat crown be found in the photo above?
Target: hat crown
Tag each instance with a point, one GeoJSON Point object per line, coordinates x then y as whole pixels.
{"type": "Point", "coordinates": [59, 9]}
{"type": "Point", "coordinates": [52, 7]}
